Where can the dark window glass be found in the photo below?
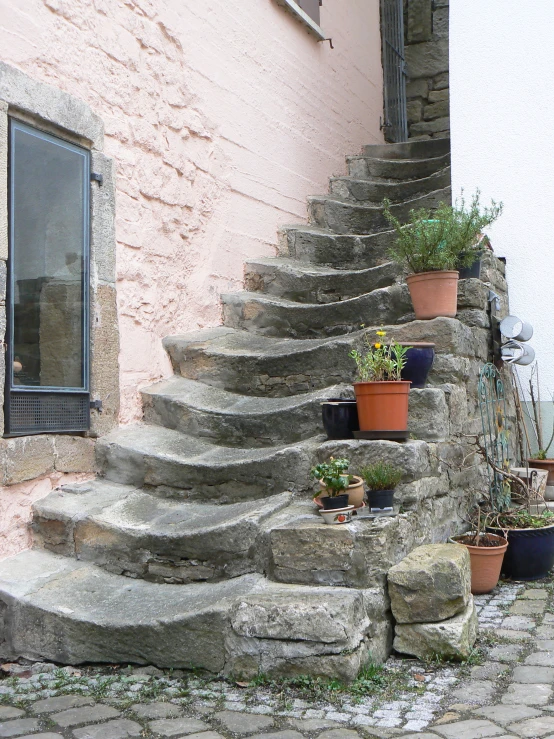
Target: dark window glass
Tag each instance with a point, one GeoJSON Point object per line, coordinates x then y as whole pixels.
{"type": "Point", "coordinates": [311, 7]}
{"type": "Point", "coordinates": [49, 260]}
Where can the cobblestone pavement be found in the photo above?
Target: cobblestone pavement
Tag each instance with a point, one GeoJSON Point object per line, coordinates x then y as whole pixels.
{"type": "Point", "coordinates": [504, 691]}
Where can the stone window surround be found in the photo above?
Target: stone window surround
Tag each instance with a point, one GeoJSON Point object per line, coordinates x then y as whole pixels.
{"type": "Point", "coordinates": [57, 112]}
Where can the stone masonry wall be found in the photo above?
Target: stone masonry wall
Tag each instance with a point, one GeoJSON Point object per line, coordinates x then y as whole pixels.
{"type": "Point", "coordinates": [426, 45]}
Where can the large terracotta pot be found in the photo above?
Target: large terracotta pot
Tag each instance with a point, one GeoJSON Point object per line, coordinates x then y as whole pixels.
{"type": "Point", "coordinates": [486, 563]}
{"type": "Point", "coordinates": [434, 294]}
{"type": "Point", "coordinates": [382, 406]}
{"type": "Point", "coordinates": [355, 492]}
{"type": "Point", "coordinates": [544, 464]}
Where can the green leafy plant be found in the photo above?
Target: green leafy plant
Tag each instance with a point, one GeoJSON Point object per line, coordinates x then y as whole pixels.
{"type": "Point", "coordinates": [443, 239]}
{"type": "Point", "coordinates": [381, 476]}
{"type": "Point", "coordinates": [380, 361]}
{"type": "Point", "coordinates": [333, 475]}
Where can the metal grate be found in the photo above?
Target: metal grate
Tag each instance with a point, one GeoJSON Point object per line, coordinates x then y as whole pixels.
{"type": "Point", "coordinates": [30, 413]}
{"type": "Point", "coordinates": [394, 71]}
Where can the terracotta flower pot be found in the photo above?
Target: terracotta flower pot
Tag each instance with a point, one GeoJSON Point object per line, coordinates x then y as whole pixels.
{"type": "Point", "coordinates": [486, 563]}
{"type": "Point", "coordinates": [382, 406]}
{"type": "Point", "coordinates": [434, 294]}
{"type": "Point", "coordinates": [355, 492]}
{"type": "Point", "coordinates": [544, 464]}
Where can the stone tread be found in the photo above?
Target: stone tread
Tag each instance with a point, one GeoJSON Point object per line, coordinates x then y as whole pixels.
{"type": "Point", "coordinates": [233, 419]}
{"type": "Point", "coordinates": [409, 149]}
{"type": "Point", "coordinates": [374, 191]}
{"type": "Point", "coordinates": [311, 283]}
{"type": "Point", "coordinates": [391, 170]}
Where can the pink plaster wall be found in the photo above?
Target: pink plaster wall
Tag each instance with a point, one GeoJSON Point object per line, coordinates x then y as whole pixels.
{"type": "Point", "coordinates": [15, 508]}
{"type": "Point", "coordinates": [222, 116]}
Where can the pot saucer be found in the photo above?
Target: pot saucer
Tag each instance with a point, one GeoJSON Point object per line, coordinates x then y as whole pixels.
{"type": "Point", "coordinates": [337, 515]}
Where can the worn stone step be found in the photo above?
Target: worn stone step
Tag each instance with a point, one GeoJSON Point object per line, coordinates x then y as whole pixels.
{"type": "Point", "coordinates": [230, 419]}
{"type": "Point", "coordinates": [395, 169]}
{"type": "Point", "coordinates": [69, 612]}
{"type": "Point", "coordinates": [341, 251]}
{"type": "Point", "coordinates": [186, 467]}
{"type": "Point", "coordinates": [240, 361]}
{"type": "Point", "coordinates": [345, 217]}
{"type": "Point", "coordinates": [293, 280]}
{"type": "Point", "coordinates": [130, 532]}
{"type": "Point", "coordinates": [409, 149]}
{"type": "Point", "coordinates": [274, 316]}
{"type": "Point", "coordinates": [270, 316]}
{"type": "Point", "coordinates": [373, 191]}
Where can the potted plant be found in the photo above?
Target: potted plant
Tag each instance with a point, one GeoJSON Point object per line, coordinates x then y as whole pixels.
{"type": "Point", "coordinates": [419, 360]}
{"type": "Point", "coordinates": [486, 554]}
{"type": "Point", "coordinates": [381, 394]}
{"type": "Point", "coordinates": [340, 418]}
{"type": "Point", "coordinates": [539, 460]}
{"type": "Point", "coordinates": [338, 489]}
{"type": "Point", "coordinates": [474, 269]}
{"type": "Point", "coordinates": [433, 246]}
{"type": "Point", "coordinates": [381, 479]}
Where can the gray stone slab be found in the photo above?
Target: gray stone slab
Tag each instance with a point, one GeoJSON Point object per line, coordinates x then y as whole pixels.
{"type": "Point", "coordinates": [534, 727]}
{"type": "Point", "coordinates": [243, 723]}
{"type": "Point", "coordinates": [48, 735]}
{"type": "Point", "coordinates": [518, 623]}
{"type": "Point", "coordinates": [61, 703]}
{"type": "Point", "coordinates": [474, 692]}
{"type": "Point", "coordinates": [534, 594]}
{"type": "Point", "coordinates": [507, 714]}
{"type": "Point", "coordinates": [506, 653]}
{"type": "Point", "coordinates": [525, 674]}
{"type": "Point", "coordinates": [488, 671]}
{"type": "Point", "coordinates": [545, 632]}
{"type": "Point", "coordinates": [418, 736]}
{"type": "Point", "coordinates": [7, 712]}
{"type": "Point", "coordinates": [123, 728]}
{"type": "Point", "coordinates": [313, 724]}
{"type": "Point", "coordinates": [153, 711]}
{"type": "Point", "coordinates": [177, 726]}
{"type": "Point", "coordinates": [287, 734]}
{"type": "Point", "coordinates": [511, 635]}
{"type": "Point", "coordinates": [530, 694]}
{"type": "Point", "coordinates": [470, 729]}
{"type": "Point", "coordinates": [339, 734]}
{"type": "Point", "coordinates": [18, 727]}
{"type": "Point", "coordinates": [527, 607]}
{"type": "Point", "coordinates": [86, 715]}
{"type": "Point", "coordinates": [545, 645]}
{"type": "Point", "coordinates": [541, 659]}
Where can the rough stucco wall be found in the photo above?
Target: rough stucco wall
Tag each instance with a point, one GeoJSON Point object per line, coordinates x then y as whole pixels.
{"type": "Point", "coordinates": [221, 118]}
{"type": "Point", "coordinates": [15, 508]}
{"type": "Point", "coordinates": [501, 121]}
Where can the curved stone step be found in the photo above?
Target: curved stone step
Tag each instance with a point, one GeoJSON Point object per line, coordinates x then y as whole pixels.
{"type": "Point", "coordinates": [240, 361]}
{"type": "Point", "coordinates": [368, 191]}
{"type": "Point", "coordinates": [128, 531]}
{"type": "Point", "coordinates": [293, 280]}
{"type": "Point", "coordinates": [408, 149]}
{"type": "Point", "coordinates": [364, 167]}
{"type": "Point", "coordinates": [344, 216]}
{"type": "Point", "coordinates": [186, 467]}
{"type": "Point", "coordinates": [61, 610]}
{"type": "Point", "coordinates": [271, 316]}
{"type": "Point", "coordinates": [341, 251]}
{"type": "Point", "coordinates": [236, 420]}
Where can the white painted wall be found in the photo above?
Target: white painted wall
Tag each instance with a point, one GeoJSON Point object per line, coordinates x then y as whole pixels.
{"type": "Point", "coordinates": [502, 120]}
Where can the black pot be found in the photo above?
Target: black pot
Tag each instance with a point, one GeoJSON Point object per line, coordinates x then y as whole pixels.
{"type": "Point", "coordinates": [530, 553]}
{"type": "Point", "coordinates": [339, 501]}
{"type": "Point", "coordinates": [474, 270]}
{"type": "Point", "coordinates": [340, 418]}
{"type": "Point", "coordinates": [419, 360]}
{"type": "Point", "coordinates": [380, 498]}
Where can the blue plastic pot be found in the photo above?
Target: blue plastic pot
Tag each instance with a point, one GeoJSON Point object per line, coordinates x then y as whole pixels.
{"type": "Point", "coordinates": [419, 360]}
{"type": "Point", "coordinates": [340, 418]}
{"type": "Point", "coordinates": [530, 553]}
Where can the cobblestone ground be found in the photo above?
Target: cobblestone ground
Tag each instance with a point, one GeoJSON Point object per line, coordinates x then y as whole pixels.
{"type": "Point", "coordinates": [504, 691]}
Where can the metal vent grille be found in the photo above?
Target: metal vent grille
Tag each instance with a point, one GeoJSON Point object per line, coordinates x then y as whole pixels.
{"type": "Point", "coordinates": [32, 413]}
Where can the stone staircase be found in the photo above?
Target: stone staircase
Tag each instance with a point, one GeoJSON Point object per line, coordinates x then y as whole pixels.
{"type": "Point", "coordinates": [198, 546]}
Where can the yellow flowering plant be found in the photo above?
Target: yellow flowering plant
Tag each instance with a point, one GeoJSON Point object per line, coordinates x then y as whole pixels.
{"type": "Point", "coordinates": [380, 360]}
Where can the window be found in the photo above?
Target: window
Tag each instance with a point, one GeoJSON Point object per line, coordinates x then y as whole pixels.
{"type": "Point", "coordinates": [47, 374]}
{"type": "Point", "coordinates": [311, 8]}
{"type": "Point", "coordinates": [306, 11]}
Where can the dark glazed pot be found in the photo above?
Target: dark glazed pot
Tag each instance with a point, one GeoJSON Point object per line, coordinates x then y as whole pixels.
{"type": "Point", "coordinates": [340, 418]}
{"type": "Point", "coordinates": [419, 360]}
{"type": "Point", "coordinates": [530, 553]}
{"type": "Point", "coordinates": [473, 271]}
{"type": "Point", "coordinates": [339, 501]}
{"type": "Point", "coordinates": [380, 498]}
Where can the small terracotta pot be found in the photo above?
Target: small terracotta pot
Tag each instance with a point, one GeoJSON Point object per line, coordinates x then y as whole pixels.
{"type": "Point", "coordinates": [486, 563]}
{"type": "Point", "coordinates": [434, 294]}
{"type": "Point", "coordinates": [382, 406]}
{"type": "Point", "coordinates": [355, 492]}
{"type": "Point", "coordinates": [544, 464]}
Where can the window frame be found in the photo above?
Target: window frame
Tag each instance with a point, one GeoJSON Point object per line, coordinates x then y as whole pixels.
{"type": "Point", "coordinates": [301, 15]}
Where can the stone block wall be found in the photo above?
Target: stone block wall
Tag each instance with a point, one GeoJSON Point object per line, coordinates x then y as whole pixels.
{"type": "Point", "coordinates": [426, 46]}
